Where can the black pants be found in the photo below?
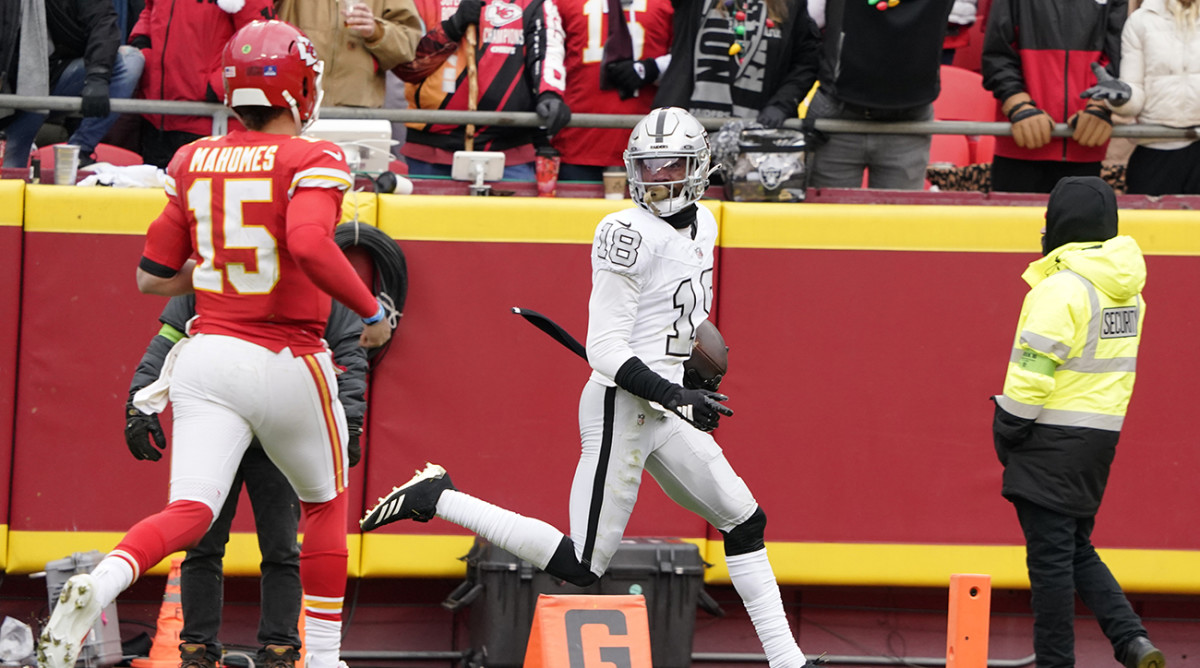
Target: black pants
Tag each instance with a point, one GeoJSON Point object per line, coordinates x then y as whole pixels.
{"type": "Point", "coordinates": [1153, 171]}
{"type": "Point", "coordinates": [159, 146]}
{"type": "Point", "coordinates": [276, 517]}
{"type": "Point", "coordinates": [1062, 561]}
{"type": "Point", "coordinates": [1010, 175]}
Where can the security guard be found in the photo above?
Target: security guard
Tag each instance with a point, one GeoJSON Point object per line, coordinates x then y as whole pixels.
{"type": "Point", "coordinates": [1056, 426]}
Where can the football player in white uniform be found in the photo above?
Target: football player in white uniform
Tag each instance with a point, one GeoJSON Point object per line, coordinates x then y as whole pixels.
{"type": "Point", "coordinates": [651, 287]}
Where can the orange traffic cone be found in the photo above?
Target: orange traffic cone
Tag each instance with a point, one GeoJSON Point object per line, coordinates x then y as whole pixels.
{"type": "Point", "coordinates": [571, 630]}
{"type": "Point", "coordinates": [164, 653]}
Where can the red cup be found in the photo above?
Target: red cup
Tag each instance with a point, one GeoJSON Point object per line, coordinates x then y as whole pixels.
{"type": "Point", "coordinates": [547, 175]}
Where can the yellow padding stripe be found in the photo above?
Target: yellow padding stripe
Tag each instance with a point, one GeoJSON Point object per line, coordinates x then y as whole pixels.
{"type": "Point", "coordinates": [12, 202]}
{"type": "Point", "coordinates": [855, 564]}
{"type": "Point", "coordinates": [363, 205]}
{"type": "Point", "coordinates": [28, 551]}
{"type": "Point", "coordinates": [1005, 229]}
{"type": "Point", "coordinates": [390, 555]}
{"type": "Point", "coordinates": [4, 545]}
{"type": "Point", "coordinates": [498, 219]}
{"type": "Point", "coordinates": [92, 210]}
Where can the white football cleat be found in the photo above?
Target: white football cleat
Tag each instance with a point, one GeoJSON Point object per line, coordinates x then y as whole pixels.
{"type": "Point", "coordinates": [73, 618]}
{"type": "Point", "coordinates": [414, 500]}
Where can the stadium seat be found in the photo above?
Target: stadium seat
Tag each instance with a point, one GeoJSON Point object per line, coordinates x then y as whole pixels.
{"type": "Point", "coordinates": [963, 98]}
{"type": "Point", "coordinates": [952, 149]}
{"type": "Point", "coordinates": [113, 155]}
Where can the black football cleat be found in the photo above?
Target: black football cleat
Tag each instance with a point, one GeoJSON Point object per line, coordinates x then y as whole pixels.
{"type": "Point", "coordinates": [414, 500]}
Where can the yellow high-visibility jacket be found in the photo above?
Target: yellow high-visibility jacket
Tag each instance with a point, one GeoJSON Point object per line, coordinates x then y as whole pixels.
{"type": "Point", "coordinates": [1071, 373]}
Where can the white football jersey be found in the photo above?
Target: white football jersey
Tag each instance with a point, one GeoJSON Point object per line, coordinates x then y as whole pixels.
{"type": "Point", "coordinates": [652, 286]}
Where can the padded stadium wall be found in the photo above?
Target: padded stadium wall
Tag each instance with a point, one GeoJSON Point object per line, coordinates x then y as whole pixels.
{"type": "Point", "coordinates": [865, 342]}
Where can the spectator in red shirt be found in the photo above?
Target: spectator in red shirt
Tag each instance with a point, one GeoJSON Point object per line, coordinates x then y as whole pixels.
{"type": "Point", "coordinates": [182, 43]}
{"type": "Point", "coordinates": [587, 151]}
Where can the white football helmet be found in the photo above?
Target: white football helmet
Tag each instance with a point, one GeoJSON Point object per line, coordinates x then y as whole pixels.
{"type": "Point", "coordinates": [667, 161]}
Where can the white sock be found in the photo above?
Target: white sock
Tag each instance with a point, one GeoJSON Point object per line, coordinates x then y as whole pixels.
{"type": "Point", "coordinates": [530, 539]}
{"type": "Point", "coordinates": [755, 582]}
{"type": "Point", "coordinates": [322, 642]}
{"type": "Point", "coordinates": [111, 577]}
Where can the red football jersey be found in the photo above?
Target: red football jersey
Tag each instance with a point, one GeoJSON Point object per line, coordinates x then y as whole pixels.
{"type": "Point", "coordinates": [231, 193]}
{"type": "Point", "coordinates": [586, 25]}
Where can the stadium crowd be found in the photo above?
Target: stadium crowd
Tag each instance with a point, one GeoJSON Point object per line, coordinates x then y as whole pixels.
{"type": "Point", "coordinates": [738, 59]}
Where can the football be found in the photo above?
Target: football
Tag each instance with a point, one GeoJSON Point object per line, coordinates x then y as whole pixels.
{"type": "Point", "coordinates": [709, 360]}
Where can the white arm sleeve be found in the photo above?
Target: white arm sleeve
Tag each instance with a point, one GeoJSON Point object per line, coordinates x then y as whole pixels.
{"type": "Point", "coordinates": [612, 310]}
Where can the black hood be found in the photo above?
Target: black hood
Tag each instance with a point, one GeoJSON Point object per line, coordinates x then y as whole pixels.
{"type": "Point", "coordinates": [1081, 208]}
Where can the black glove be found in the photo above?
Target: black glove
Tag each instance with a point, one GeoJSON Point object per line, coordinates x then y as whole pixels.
{"type": "Point", "coordinates": [555, 113]}
{"type": "Point", "coordinates": [354, 448]}
{"type": "Point", "coordinates": [693, 381]}
{"type": "Point", "coordinates": [700, 408]}
{"type": "Point", "coordinates": [95, 98]}
{"type": "Point", "coordinates": [630, 75]}
{"type": "Point", "coordinates": [772, 116]}
{"type": "Point", "coordinates": [1107, 88]}
{"type": "Point", "coordinates": [467, 14]}
{"type": "Point", "coordinates": [140, 42]}
{"type": "Point", "coordinates": [143, 434]}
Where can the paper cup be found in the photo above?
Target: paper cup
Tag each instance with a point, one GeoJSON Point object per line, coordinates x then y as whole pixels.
{"type": "Point", "coordinates": [614, 184]}
{"type": "Point", "coordinates": [66, 164]}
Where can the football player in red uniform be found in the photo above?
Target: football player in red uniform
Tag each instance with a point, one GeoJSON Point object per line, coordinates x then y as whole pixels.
{"type": "Point", "coordinates": [587, 151]}
{"type": "Point", "coordinates": [258, 207]}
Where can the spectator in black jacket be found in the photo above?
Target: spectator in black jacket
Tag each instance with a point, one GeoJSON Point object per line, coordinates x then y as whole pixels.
{"type": "Point", "coordinates": [753, 60]}
{"type": "Point", "coordinates": [87, 61]}
{"type": "Point", "coordinates": [880, 61]}
{"type": "Point", "coordinates": [276, 507]}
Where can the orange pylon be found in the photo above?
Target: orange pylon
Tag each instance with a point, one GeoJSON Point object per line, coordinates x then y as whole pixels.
{"type": "Point", "coordinates": [164, 653]}
{"type": "Point", "coordinates": [967, 624]}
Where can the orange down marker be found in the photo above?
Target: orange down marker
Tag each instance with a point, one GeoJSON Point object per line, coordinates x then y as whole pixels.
{"type": "Point", "coordinates": [589, 632]}
{"type": "Point", "coordinates": [967, 627]}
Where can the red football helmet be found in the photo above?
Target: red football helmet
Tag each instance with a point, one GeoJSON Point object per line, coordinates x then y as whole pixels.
{"type": "Point", "coordinates": [273, 64]}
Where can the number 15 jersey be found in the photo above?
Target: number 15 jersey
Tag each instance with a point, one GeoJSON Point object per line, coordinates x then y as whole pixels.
{"type": "Point", "coordinates": [228, 201]}
{"type": "Point", "coordinates": [651, 287]}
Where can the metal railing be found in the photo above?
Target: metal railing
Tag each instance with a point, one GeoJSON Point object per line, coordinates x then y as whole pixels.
{"type": "Point", "coordinates": [220, 115]}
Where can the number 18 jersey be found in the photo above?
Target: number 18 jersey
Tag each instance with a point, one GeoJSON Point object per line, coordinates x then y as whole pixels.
{"type": "Point", "coordinates": [651, 287]}
{"type": "Point", "coordinates": [228, 200]}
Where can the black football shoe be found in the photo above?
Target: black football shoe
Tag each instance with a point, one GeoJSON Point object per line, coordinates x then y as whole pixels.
{"type": "Point", "coordinates": [414, 500]}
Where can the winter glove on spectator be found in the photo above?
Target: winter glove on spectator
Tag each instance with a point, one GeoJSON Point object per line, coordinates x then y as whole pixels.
{"type": "Point", "coordinates": [555, 113]}
{"type": "Point", "coordinates": [631, 75]}
{"type": "Point", "coordinates": [467, 14]}
{"type": "Point", "coordinates": [1031, 127]}
{"type": "Point", "coordinates": [1114, 91]}
{"type": "Point", "coordinates": [354, 449]}
{"type": "Point", "coordinates": [1093, 125]}
{"type": "Point", "coordinates": [772, 116]}
{"type": "Point", "coordinates": [95, 98]}
{"type": "Point", "coordinates": [143, 434]}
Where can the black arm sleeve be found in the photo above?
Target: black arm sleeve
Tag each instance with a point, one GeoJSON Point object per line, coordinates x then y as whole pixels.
{"type": "Point", "coordinates": [1000, 61]}
{"type": "Point", "coordinates": [804, 60]}
{"type": "Point", "coordinates": [104, 38]}
{"type": "Point", "coordinates": [342, 334]}
{"type": "Point", "coordinates": [637, 378]}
